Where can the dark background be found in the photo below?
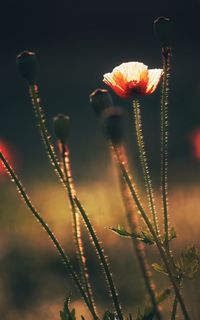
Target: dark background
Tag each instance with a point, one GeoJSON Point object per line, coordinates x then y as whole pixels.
{"type": "Point", "coordinates": [76, 43]}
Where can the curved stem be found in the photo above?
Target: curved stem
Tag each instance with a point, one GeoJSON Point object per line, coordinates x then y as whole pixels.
{"type": "Point", "coordinates": [76, 224]}
{"type": "Point", "coordinates": [132, 222]}
{"type": "Point", "coordinates": [47, 229]}
{"type": "Point", "coordinates": [144, 164]}
{"type": "Point", "coordinates": [163, 255]}
{"type": "Point", "coordinates": [34, 94]}
{"type": "Point", "coordinates": [53, 159]}
{"type": "Point", "coordinates": [102, 258]}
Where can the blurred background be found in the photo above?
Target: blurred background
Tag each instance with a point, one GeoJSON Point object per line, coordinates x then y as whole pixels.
{"type": "Point", "coordinates": [76, 43]}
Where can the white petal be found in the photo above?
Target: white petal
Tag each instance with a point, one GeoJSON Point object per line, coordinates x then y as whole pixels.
{"type": "Point", "coordinates": [131, 71]}
{"type": "Point", "coordinates": [108, 78]}
{"type": "Point", "coordinates": [154, 78]}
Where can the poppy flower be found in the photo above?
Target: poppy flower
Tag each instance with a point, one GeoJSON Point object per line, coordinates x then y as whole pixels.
{"type": "Point", "coordinates": [132, 78]}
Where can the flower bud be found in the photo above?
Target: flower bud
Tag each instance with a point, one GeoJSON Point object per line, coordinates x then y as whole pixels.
{"type": "Point", "coordinates": [61, 127]}
{"type": "Point", "coordinates": [113, 123]}
{"type": "Point", "coordinates": [162, 27]}
{"type": "Point", "coordinates": [100, 100]}
{"type": "Point", "coordinates": [26, 64]}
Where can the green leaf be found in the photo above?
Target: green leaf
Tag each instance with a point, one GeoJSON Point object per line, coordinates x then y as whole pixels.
{"type": "Point", "coordinates": [143, 236]}
{"type": "Point", "coordinates": [122, 232]}
{"type": "Point", "coordinates": [172, 234]}
{"type": "Point", "coordinates": [148, 312]}
{"type": "Point", "coordinates": [139, 314]}
{"type": "Point", "coordinates": [163, 295]}
{"type": "Point", "coordinates": [142, 316]}
{"type": "Point", "coordinates": [159, 268]}
{"type": "Point", "coordinates": [66, 314]}
{"type": "Point", "coordinates": [146, 237]}
{"type": "Point", "coordinates": [189, 262]}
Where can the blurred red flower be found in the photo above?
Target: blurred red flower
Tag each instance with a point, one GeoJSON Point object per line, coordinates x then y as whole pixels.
{"type": "Point", "coordinates": [6, 152]}
{"type": "Point", "coordinates": [132, 78]}
{"type": "Point", "coordinates": [194, 138]}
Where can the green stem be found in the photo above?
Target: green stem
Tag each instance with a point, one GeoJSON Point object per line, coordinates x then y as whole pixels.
{"type": "Point", "coordinates": [102, 259]}
{"type": "Point", "coordinates": [138, 246]}
{"type": "Point", "coordinates": [76, 224]}
{"type": "Point", "coordinates": [166, 53]}
{"type": "Point", "coordinates": [33, 90]}
{"type": "Point", "coordinates": [175, 303]}
{"type": "Point", "coordinates": [174, 309]}
{"type": "Point", "coordinates": [64, 257]}
{"type": "Point", "coordinates": [162, 252]}
{"type": "Point", "coordinates": [53, 159]}
{"type": "Point", "coordinates": [144, 164]}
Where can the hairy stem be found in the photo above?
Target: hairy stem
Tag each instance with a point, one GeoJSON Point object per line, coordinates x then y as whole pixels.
{"type": "Point", "coordinates": [76, 224]}
{"type": "Point", "coordinates": [34, 94]}
{"type": "Point", "coordinates": [144, 164]}
{"type": "Point", "coordinates": [162, 252]}
{"type": "Point", "coordinates": [64, 257]}
{"type": "Point", "coordinates": [54, 161]}
{"type": "Point", "coordinates": [166, 54]}
{"type": "Point", "coordinates": [132, 222]}
{"type": "Point", "coordinates": [174, 309]}
{"type": "Point", "coordinates": [102, 259]}
{"type": "Point", "coordinates": [175, 303]}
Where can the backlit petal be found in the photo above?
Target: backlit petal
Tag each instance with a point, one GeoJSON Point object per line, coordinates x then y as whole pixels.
{"type": "Point", "coordinates": [132, 78]}
{"type": "Point", "coordinates": [110, 81]}
{"type": "Point", "coordinates": [154, 78]}
{"type": "Point", "coordinates": [130, 70]}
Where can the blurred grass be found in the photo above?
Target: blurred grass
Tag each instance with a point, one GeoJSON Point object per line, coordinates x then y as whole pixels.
{"type": "Point", "coordinates": [33, 283]}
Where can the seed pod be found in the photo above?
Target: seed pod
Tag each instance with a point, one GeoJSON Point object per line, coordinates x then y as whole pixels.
{"type": "Point", "coordinates": [26, 64]}
{"type": "Point", "coordinates": [113, 123]}
{"type": "Point", "coordinates": [100, 100]}
{"type": "Point", "coordinates": [61, 127]}
{"type": "Point", "coordinates": [163, 30]}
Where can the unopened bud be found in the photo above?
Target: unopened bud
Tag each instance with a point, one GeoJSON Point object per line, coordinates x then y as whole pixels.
{"type": "Point", "coordinates": [100, 100]}
{"type": "Point", "coordinates": [26, 64]}
{"type": "Point", "coordinates": [163, 30]}
{"type": "Point", "coordinates": [113, 122]}
{"type": "Point", "coordinates": [61, 127]}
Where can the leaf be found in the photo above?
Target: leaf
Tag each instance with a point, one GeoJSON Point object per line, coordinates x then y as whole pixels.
{"type": "Point", "coordinates": [159, 268]}
{"type": "Point", "coordinates": [160, 297]}
{"type": "Point", "coordinates": [143, 236]}
{"type": "Point", "coordinates": [163, 295]}
{"type": "Point", "coordinates": [172, 234]}
{"type": "Point", "coordinates": [122, 232]}
{"type": "Point", "coordinates": [66, 314]}
{"type": "Point", "coordinates": [146, 237]}
{"type": "Point", "coordinates": [141, 315]}
{"type": "Point", "coordinates": [189, 262]}
{"type": "Point", "coordinates": [148, 312]}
